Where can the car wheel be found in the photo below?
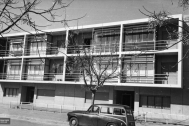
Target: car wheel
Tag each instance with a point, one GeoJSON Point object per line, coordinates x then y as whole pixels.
{"type": "Point", "coordinates": [73, 121]}
{"type": "Point", "coordinates": [111, 124]}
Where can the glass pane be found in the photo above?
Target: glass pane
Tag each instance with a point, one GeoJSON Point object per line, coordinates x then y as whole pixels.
{"type": "Point", "coordinates": [143, 101]}
{"type": "Point", "coordinates": [150, 70]}
{"type": "Point", "coordinates": [129, 38]}
{"type": "Point", "coordinates": [10, 92]}
{"type": "Point", "coordinates": [151, 36]}
{"type": "Point", "coordinates": [15, 92]}
{"type": "Point", "coordinates": [151, 101]}
{"type": "Point", "coordinates": [158, 102]}
{"type": "Point", "coordinates": [142, 68]}
{"type": "Point", "coordinates": [104, 110]}
{"type": "Point", "coordinates": [145, 36]}
{"type": "Point", "coordinates": [134, 70]}
{"type": "Point", "coordinates": [7, 91]}
{"type": "Point", "coordinates": [166, 102]}
{"type": "Point", "coordinates": [119, 111]}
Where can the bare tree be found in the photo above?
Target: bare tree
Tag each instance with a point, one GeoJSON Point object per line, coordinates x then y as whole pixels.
{"type": "Point", "coordinates": [165, 20]}
{"type": "Point", "coordinates": [94, 67]}
{"type": "Point", "coordinates": [16, 13]}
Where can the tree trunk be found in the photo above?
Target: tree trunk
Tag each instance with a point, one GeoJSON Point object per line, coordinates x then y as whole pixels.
{"type": "Point", "coordinates": [93, 96]}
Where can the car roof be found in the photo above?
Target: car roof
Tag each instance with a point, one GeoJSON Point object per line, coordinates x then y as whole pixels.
{"type": "Point", "coordinates": [114, 105]}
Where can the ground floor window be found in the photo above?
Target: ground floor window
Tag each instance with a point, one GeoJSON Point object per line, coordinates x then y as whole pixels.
{"type": "Point", "coordinates": [10, 92]}
{"type": "Point", "coordinates": [101, 97]}
{"type": "Point", "coordinates": [45, 94]}
{"type": "Point", "coordinates": [161, 102]}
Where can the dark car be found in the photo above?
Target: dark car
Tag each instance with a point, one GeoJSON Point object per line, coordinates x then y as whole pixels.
{"type": "Point", "coordinates": [102, 115]}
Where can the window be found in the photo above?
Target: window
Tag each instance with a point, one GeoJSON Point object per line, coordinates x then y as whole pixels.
{"type": "Point", "coordinates": [106, 110]}
{"type": "Point", "coordinates": [101, 97]}
{"type": "Point", "coordinates": [107, 39]}
{"type": "Point", "coordinates": [35, 69]}
{"type": "Point", "coordinates": [10, 92]}
{"type": "Point", "coordinates": [93, 109]}
{"type": "Point", "coordinates": [58, 69]}
{"type": "Point", "coordinates": [16, 47]}
{"type": "Point", "coordinates": [13, 69]}
{"type": "Point", "coordinates": [138, 69]}
{"type": "Point", "coordinates": [119, 111]}
{"type": "Point", "coordinates": [138, 38]}
{"type": "Point", "coordinates": [160, 102]}
{"type": "Point", "coordinates": [87, 42]}
{"type": "Point", "coordinates": [45, 94]}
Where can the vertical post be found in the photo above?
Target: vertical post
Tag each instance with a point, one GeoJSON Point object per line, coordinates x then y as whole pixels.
{"type": "Point", "coordinates": [180, 52]}
{"type": "Point", "coordinates": [60, 108]}
{"type": "Point", "coordinates": [22, 62]}
{"type": "Point", "coordinates": [120, 50]}
{"type": "Point", "coordinates": [65, 57]}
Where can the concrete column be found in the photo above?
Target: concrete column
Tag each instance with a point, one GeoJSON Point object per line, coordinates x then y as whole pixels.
{"type": "Point", "coordinates": [35, 95]}
{"type": "Point", "coordinates": [111, 94]}
{"type": "Point", "coordinates": [19, 93]}
{"type": "Point", "coordinates": [65, 57]}
{"type": "Point", "coordinates": [1, 92]}
{"type": "Point", "coordinates": [120, 50]}
{"type": "Point", "coordinates": [180, 52]}
{"type": "Point", "coordinates": [136, 100]}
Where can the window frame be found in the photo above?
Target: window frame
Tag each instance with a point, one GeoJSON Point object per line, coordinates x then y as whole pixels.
{"type": "Point", "coordinates": [161, 106]}
{"type": "Point", "coordinates": [9, 92]}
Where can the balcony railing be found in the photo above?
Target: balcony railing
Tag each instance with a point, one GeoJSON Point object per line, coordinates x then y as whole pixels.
{"type": "Point", "coordinates": [5, 76]}
{"type": "Point", "coordinates": [150, 45]}
{"type": "Point", "coordinates": [43, 77]}
{"type": "Point", "coordinates": [78, 77]}
{"type": "Point", "coordinates": [103, 48]}
{"type": "Point", "coordinates": [45, 51]}
{"type": "Point", "coordinates": [156, 79]}
{"type": "Point", "coordinates": [10, 53]}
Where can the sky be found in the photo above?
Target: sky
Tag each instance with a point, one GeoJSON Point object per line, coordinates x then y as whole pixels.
{"type": "Point", "coordinates": [104, 11]}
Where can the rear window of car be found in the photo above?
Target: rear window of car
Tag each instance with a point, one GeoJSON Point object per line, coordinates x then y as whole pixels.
{"type": "Point", "coordinates": [119, 111]}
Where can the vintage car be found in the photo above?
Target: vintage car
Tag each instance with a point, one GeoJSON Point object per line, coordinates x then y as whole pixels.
{"type": "Point", "coordinates": [102, 115]}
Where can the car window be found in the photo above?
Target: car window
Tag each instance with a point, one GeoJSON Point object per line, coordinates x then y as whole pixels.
{"type": "Point", "coordinates": [106, 110]}
{"type": "Point", "coordinates": [93, 109]}
{"type": "Point", "coordinates": [119, 111]}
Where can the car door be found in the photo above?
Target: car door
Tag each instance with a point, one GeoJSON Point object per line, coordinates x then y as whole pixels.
{"type": "Point", "coordinates": [90, 118]}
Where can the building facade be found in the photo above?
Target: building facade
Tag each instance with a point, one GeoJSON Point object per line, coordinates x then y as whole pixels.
{"type": "Point", "coordinates": [34, 69]}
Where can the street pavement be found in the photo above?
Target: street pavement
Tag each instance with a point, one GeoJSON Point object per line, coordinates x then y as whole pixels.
{"type": "Point", "coordinates": [45, 118]}
{"type": "Point", "coordinates": [23, 123]}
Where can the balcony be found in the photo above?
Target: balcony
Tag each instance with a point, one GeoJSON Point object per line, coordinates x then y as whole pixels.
{"type": "Point", "coordinates": [44, 51]}
{"type": "Point", "coordinates": [78, 77]}
{"type": "Point", "coordinates": [12, 47]}
{"type": "Point", "coordinates": [43, 77]}
{"type": "Point", "coordinates": [5, 76]}
{"type": "Point", "coordinates": [96, 48]}
{"type": "Point", "coordinates": [150, 45]}
{"type": "Point", "coordinates": [156, 79]}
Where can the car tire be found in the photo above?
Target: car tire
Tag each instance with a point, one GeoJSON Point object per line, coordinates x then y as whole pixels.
{"type": "Point", "coordinates": [73, 121]}
{"type": "Point", "coordinates": [112, 124]}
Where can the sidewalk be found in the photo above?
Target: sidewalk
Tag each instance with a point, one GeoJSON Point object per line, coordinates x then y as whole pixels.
{"type": "Point", "coordinates": [51, 118]}
{"type": "Point", "coordinates": [60, 119]}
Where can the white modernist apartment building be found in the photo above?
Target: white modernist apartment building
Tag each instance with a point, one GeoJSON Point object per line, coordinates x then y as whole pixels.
{"type": "Point", "coordinates": [33, 68]}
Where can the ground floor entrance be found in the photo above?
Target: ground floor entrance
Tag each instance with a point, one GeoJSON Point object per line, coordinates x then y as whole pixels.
{"type": "Point", "coordinates": [27, 94]}
{"type": "Point", "coordinates": [125, 98]}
